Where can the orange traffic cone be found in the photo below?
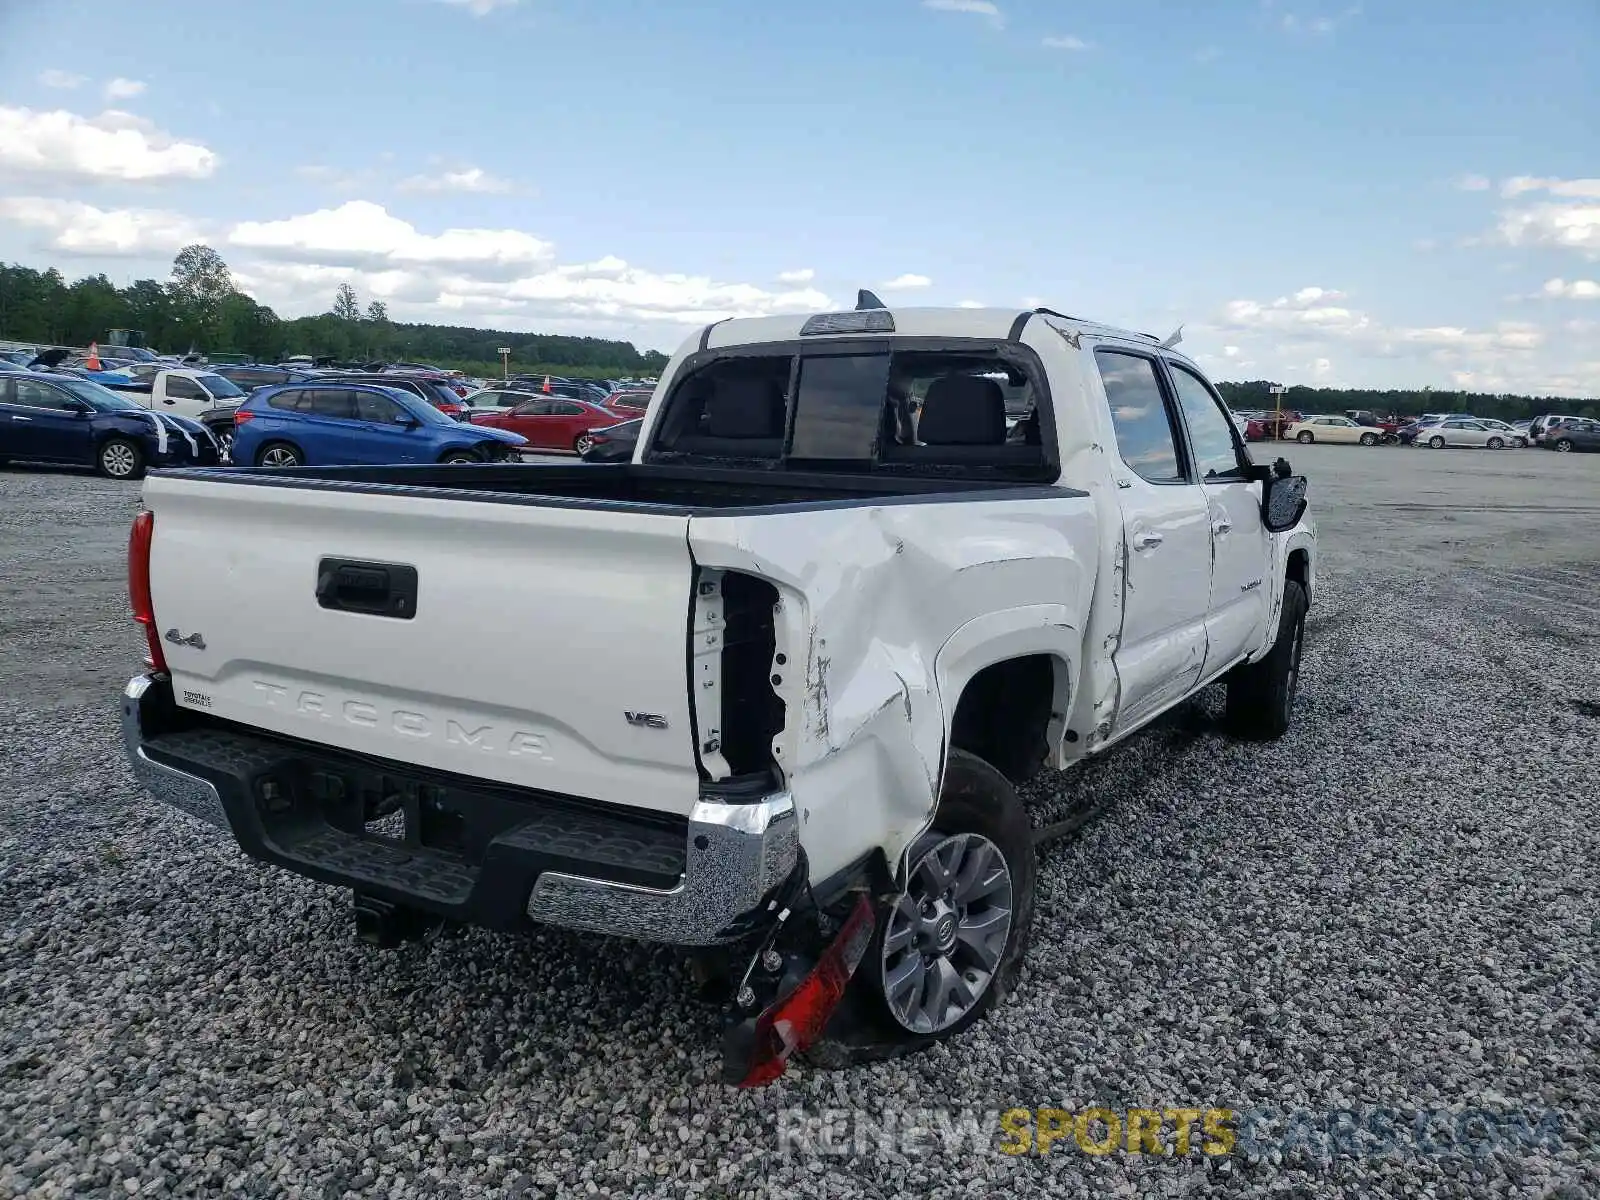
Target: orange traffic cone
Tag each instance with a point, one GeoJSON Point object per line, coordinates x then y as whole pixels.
{"type": "Point", "coordinates": [93, 362]}
{"type": "Point", "coordinates": [547, 384]}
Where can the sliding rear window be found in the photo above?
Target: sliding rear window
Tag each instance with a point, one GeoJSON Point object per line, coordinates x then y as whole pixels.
{"type": "Point", "coordinates": [908, 407]}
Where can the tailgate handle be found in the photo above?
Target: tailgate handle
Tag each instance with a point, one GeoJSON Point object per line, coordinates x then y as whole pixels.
{"type": "Point", "coordinates": [377, 589]}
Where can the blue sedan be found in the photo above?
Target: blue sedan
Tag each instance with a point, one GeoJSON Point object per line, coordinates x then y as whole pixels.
{"type": "Point", "coordinates": [64, 419]}
{"type": "Point", "coordinates": [325, 423]}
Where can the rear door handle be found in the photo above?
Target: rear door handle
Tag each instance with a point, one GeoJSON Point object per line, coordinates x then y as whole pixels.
{"type": "Point", "coordinates": [1148, 540]}
{"type": "Point", "coordinates": [1221, 527]}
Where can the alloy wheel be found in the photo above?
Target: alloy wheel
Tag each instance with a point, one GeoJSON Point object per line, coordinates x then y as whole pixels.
{"type": "Point", "coordinates": [119, 460]}
{"type": "Point", "coordinates": [947, 932]}
{"type": "Point", "coordinates": [280, 456]}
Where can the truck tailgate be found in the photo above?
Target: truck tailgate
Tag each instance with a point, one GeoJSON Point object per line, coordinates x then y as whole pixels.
{"type": "Point", "coordinates": [546, 645]}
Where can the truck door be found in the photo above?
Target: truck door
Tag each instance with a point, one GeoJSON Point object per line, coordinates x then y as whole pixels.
{"type": "Point", "coordinates": [1167, 541]}
{"type": "Point", "coordinates": [1240, 590]}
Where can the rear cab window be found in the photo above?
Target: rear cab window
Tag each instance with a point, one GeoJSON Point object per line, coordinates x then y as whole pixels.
{"type": "Point", "coordinates": [957, 408]}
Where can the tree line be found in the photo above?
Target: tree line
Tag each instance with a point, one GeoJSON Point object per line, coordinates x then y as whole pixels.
{"type": "Point", "coordinates": [200, 308]}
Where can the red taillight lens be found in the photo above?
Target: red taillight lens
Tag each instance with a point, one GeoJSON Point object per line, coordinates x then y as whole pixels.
{"type": "Point", "coordinates": [139, 538]}
{"type": "Point", "coordinates": [797, 1021]}
{"type": "Point", "coordinates": [242, 416]}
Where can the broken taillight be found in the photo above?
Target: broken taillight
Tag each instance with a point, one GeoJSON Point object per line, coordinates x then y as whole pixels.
{"type": "Point", "coordinates": [139, 538]}
{"type": "Point", "coordinates": [797, 1021]}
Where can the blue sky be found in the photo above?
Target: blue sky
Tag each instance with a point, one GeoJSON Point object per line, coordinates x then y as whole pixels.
{"type": "Point", "coordinates": [1370, 193]}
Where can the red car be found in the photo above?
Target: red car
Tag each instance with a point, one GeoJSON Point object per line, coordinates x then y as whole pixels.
{"type": "Point", "coordinates": [632, 400]}
{"type": "Point", "coordinates": [554, 422]}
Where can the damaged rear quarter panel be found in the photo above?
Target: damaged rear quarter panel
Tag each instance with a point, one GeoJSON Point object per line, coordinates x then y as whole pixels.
{"type": "Point", "coordinates": [870, 597]}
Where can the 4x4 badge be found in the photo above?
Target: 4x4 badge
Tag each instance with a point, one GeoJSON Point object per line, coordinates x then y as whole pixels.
{"type": "Point", "coordinates": [194, 639]}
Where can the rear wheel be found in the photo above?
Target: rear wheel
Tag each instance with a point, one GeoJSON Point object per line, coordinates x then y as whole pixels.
{"type": "Point", "coordinates": [119, 458]}
{"type": "Point", "coordinates": [948, 948]}
{"type": "Point", "coordinates": [1369, 439]}
{"type": "Point", "coordinates": [1305, 437]}
{"type": "Point", "coordinates": [1436, 442]}
{"type": "Point", "coordinates": [1564, 445]}
{"type": "Point", "coordinates": [280, 454]}
{"type": "Point", "coordinates": [1261, 694]}
{"type": "Point", "coordinates": [1496, 443]}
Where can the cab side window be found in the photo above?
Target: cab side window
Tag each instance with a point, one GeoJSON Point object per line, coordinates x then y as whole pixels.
{"type": "Point", "coordinates": [1211, 431]}
{"type": "Point", "coordinates": [1145, 435]}
{"type": "Point", "coordinates": [180, 388]}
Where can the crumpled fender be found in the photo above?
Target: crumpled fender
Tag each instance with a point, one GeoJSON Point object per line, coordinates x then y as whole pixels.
{"type": "Point", "coordinates": [885, 613]}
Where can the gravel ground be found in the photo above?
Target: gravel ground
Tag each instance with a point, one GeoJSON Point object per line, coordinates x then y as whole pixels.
{"type": "Point", "coordinates": [1396, 907]}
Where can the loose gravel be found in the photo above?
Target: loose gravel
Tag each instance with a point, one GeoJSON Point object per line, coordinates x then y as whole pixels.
{"type": "Point", "coordinates": [1396, 907]}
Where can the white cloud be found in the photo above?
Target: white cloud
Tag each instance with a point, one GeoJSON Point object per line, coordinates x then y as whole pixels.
{"type": "Point", "coordinates": [978, 8]}
{"type": "Point", "coordinates": [471, 179]}
{"type": "Point", "coordinates": [972, 304]}
{"type": "Point", "coordinates": [75, 228]}
{"type": "Point", "coordinates": [1067, 43]}
{"type": "Point", "coordinates": [1563, 226]}
{"type": "Point", "coordinates": [1230, 352]}
{"type": "Point", "coordinates": [1313, 315]}
{"type": "Point", "coordinates": [1473, 183]}
{"type": "Point", "coordinates": [64, 80]}
{"type": "Point", "coordinates": [482, 8]}
{"type": "Point", "coordinates": [497, 277]}
{"type": "Point", "coordinates": [803, 275]}
{"type": "Point", "coordinates": [906, 282]}
{"type": "Point", "coordinates": [1570, 189]}
{"type": "Point", "coordinates": [361, 233]}
{"type": "Point", "coordinates": [113, 145]}
{"type": "Point", "coordinates": [124, 89]}
{"type": "Point", "coordinates": [1576, 289]}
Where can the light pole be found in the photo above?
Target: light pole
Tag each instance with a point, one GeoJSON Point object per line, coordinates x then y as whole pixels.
{"type": "Point", "coordinates": [1278, 391]}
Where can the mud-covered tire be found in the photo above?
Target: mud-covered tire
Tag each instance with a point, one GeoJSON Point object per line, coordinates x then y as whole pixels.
{"type": "Point", "coordinates": [976, 799]}
{"type": "Point", "coordinates": [1261, 694]}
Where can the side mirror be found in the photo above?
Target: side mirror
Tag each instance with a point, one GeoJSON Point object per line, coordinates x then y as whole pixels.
{"type": "Point", "coordinates": [1283, 499]}
{"type": "Point", "coordinates": [78, 408]}
{"type": "Point", "coordinates": [407, 422]}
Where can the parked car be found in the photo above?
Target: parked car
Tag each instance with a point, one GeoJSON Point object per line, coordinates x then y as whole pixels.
{"type": "Point", "coordinates": [1332, 429]}
{"type": "Point", "coordinates": [781, 713]}
{"type": "Point", "coordinates": [494, 400]}
{"type": "Point", "coordinates": [249, 378]}
{"type": "Point", "coordinates": [553, 423]}
{"type": "Point", "coordinates": [199, 395]}
{"type": "Point", "coordinates": [1269, 426]}
{"type": "Point", "coordinates": [613, 443]}
{"type": "Point", "coordinates": [331, 423]}
{"type": "Point", "coordinates": [1458, 432]}
{"type": "Point", "coordinates": [434, 390]}
{"type": "Point", "coordinates": [1576, 433]}
{"type": "Point", "coordinates": [63, 419]}
{"type": "Point", "coordinates": [1512, 435]}
{"type": "Point", "coordinates": [630, 400]}
{"type": "Point", "coordinates": [1543, 427]}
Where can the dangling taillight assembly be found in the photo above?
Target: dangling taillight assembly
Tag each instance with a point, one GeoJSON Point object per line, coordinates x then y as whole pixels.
{"type": "Point", "coordinates": [139, 539]}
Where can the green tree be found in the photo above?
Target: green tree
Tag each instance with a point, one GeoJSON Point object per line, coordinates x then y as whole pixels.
{"type": "Point", "coordinates": [345, 305]}
{"type": "Point", "coordinates": [200, 283]}
{"type": "Point", "coordinates": [378, 312]}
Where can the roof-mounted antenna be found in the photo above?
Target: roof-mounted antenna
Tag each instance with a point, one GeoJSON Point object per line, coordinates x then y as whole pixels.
{"type": "Point", "coordinates": [1173, 339]}
{"type": "Point", "coordinates": [866, 300]}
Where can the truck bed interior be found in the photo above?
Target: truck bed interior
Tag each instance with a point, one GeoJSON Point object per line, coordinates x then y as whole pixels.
{"type": "Point", "coordinates": [660, 488]}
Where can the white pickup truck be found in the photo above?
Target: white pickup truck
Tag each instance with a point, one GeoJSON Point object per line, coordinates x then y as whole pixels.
{"type": "Point", "coordinates": [769, 687]}
{"type": "Point", "coordinates": [200, 395]}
